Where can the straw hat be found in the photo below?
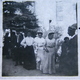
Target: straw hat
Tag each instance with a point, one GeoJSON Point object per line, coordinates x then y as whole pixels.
{"type": "Point", "coordinates": [51, 32]}
{"type": "Point", "coordinates": [39, 31]}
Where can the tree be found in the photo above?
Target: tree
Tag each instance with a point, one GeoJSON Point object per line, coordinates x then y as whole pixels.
{"type": "Point", "coordinates": [26, 19]}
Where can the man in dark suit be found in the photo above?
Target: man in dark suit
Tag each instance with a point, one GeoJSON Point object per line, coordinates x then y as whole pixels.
{"type": "Point", "coordinates": [19, 49]}
{"type": "Point", "coordinates": [6, 45]}
{"type": "Point", "coordinates": [73, 51]}
{"type": "Point", "coordinates": [13, 44]}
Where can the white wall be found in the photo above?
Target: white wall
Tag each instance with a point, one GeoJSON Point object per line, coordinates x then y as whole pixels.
{"type": "Point", "coordinates": [46, 10]}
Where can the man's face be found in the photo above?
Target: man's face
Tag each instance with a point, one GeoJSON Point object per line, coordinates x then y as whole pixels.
{"type": "Point", "coordinates": [28, 34]}
{"type": "Point", "coordinates": [71, 32]}
{"type": "Point", "coordinates": [17, 32]}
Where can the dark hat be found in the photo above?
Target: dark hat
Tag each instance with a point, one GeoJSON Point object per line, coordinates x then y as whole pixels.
{"type": "Point", "coordinates": [74, 26]}
{"type": "Point", "coordinates": [66, 38]}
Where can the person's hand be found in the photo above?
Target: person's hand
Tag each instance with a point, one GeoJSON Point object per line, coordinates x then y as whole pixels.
{"type": "Point", "coordinates": [46, 50]}
{"type": "Point", "coordinates": [25, 46]}
{"type": "Point", "coordinates": [15, 46]}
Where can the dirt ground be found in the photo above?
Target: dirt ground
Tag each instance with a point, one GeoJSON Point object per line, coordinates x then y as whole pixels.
{"type": "Point", "coordinates": [9, 69]}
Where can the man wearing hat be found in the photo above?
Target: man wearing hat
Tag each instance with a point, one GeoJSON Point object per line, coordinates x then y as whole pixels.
{"type": "Point", "coordinates": [39, 42]}
{"type": "Point", "coordinates": [73, 51]}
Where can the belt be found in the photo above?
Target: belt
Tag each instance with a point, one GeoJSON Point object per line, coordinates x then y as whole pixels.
{"type": "Point", "coordinates": [50, 46]}
{"type": "Point", "coordinates": [28, 45]}
{"type": "Point", "coordinates": [40, 46]}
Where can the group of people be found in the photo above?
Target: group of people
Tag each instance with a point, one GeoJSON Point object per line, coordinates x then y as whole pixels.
{"type": "Point", "coordinates": [40, 53]}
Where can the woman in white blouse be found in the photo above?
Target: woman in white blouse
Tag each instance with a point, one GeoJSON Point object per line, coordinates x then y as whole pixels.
{"type": "Point", "coordinates": [39, 44]}
{"type": "Point", "coordinates": [29, 56]}
{"type": "Point", "coordinates": [49, 59]}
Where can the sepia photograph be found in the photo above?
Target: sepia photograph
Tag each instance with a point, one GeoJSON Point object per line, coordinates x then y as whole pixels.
{"type": "Point", "coordinates": [40, 38]}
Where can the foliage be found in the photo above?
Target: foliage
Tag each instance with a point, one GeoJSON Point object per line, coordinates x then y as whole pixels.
{"type": "Point", "coordinates": [58, 32]}
{"type": "Point", "coordinates": [12, 20]}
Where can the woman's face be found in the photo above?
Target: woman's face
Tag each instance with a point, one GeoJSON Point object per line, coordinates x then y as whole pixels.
{"type": "Point", "coordinates": [50, 36]}
{"type": "Point", "coordinates": [39, 35]}
{"type": "Point", "coordinates": [28, 34]}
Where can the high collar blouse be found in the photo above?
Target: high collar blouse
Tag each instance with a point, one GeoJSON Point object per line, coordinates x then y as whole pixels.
{"type": "Point", "coordinates": [28, 41]}
{"type": "Point", "coordinates": [39, 41]}
{"type": "Point", "coordinates": [50, 43]}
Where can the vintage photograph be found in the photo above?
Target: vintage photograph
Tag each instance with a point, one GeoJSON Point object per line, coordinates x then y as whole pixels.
{"type": "Point", "coordinates": [40, 38]}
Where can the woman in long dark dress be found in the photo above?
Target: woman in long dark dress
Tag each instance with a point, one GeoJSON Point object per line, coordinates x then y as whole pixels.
{"type": "Point", "coordinates": [29, 56]}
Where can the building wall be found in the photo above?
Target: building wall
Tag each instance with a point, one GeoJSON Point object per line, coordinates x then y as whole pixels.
{"type": "Point", "coordinates": [45, 10]}
{"type": "Point", "coordinates": [61, 12]}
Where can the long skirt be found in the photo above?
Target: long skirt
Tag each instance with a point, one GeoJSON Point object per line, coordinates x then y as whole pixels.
{"type": "Point", "coordinates": [29, 58]}
{"type": "Point", "coordinates": [49, 61]}
{"type": "Point", "coordinates": [39, 58]}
